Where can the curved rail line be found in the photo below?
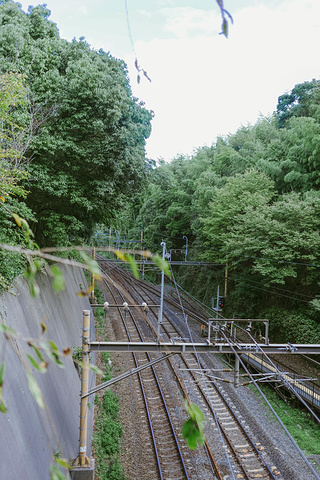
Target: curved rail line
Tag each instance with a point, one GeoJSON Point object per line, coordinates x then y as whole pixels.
{"type": "Point", "coordinates": [308, 390]}
{"type": "Point", "coordinates": [166, 445]}
{"type": "Point", "coordinates": [247, 461]}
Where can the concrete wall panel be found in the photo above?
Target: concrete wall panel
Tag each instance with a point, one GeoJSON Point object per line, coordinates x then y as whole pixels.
{"type": "Point", "coordinates": [28, 434]}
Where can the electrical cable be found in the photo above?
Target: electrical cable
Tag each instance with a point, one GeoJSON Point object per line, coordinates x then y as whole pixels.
{"type": "Point", "coordinates": [272, 409]}
{"type": "Point", "coordinates": [255, 383]}
{"type": "Point", "coordinates": [232, 277]}
{"type": "Point", "coordinates": [285, 381]}
{"type": "Point", "coordinates": [129, 28]}
{"type": "Point", "coordinates": [206, 247]}
{"type": "Point", "coordinates": [204, 380]}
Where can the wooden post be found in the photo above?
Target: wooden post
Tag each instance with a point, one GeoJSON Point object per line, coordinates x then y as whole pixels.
{"type": "Point", "coordinates": [83, 460]}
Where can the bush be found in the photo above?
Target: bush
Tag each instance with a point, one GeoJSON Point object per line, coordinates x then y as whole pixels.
{"type": "Point", "coordinates": [293, 327]}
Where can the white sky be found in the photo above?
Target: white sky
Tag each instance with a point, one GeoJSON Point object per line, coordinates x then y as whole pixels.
{"type": "Point", "coordinates": [203, 85]}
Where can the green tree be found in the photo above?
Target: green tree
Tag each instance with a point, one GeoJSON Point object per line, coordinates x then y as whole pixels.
{"type": "Point", "coordinates": [88, 155]}
{"type": "Point", "coordinates": [13, 99]}
{"type": "Point", "coordinates": [296, 103]}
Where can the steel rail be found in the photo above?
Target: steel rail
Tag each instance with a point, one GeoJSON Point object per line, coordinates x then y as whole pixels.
{"type": "Point", "coordinates": [142, 390]}
{"type": "Point", "coordinates": [161, 394]}
{"type": "Point", "coordinates": [226, 436]}
{"type": "Point", "coordinates": [232, 413]}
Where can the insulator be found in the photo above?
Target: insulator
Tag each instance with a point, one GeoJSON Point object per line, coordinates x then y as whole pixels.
{"type": "Point", "coordinates": [144, 306]}
{"type": "Point", "coordinates": [106, 306]}
{"type": "Point", "coordinates": [125, 306]}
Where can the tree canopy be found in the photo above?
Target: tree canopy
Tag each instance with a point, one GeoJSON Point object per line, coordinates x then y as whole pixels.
{"type": "Point", "coordinates": [87, 150]}
{"type": "Point", "coordinates": [250, 201]}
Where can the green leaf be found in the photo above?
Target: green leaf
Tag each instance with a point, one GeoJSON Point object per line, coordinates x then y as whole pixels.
{"type": "Point", "coordinates": [58, 282]}
{"type": "Point", "coordinates": [4, 328]}
{"type": "Point", "coordinates": [194, 412]}
{"type": "Point", "coordinates": [163, 265]}
{"type": "Point", "coordinates": [41, 367]}
{"type": "Point", "coordinates": [17, 219]}
{"type": "Point", "coordinates": [92, 265]}
{"type": "Point", "coordinates": [192, 429]}
{"type": "Point", "coordinates": [3, 408]}
{"type": "Point", "coordinates": [63, 462]}
{"type": "Point", "coordinates": [225, 28]}
{"type": "Point", "coordinates": [54, 347]}
{"type": "Point", "coordinates": [56, 474]}
{"type": "Point", "coordinates": [95, 369]}
{"type": "Point", "coordinates": [34, 289]}
{"type": "Point", "coordinates": [2, 368]}
{"type": "Point", "coordinates": [51, 350]}
{"type": "Point", "coordinates": [35, 390]}
{"type": "Point", "coordinates": [39, 354]}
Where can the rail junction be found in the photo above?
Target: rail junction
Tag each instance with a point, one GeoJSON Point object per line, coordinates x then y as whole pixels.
{"type": "Point", "coordinates": [178, 367]}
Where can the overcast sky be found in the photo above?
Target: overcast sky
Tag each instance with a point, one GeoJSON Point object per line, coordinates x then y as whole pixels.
{"type": "Point", "coordinates": [203, 85]}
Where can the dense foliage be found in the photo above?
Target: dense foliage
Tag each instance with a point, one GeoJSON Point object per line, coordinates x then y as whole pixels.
{"type": "Point", "coordinates": [83, 131]}
{"type": "Point", "coordinates": [252, 202]}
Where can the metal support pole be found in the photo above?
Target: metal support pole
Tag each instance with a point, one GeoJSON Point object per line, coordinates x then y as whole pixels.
{"type": "Point", "coordinates": [83, 460]}
{"type": "Point", "coordinates": [236, 372]}
{"type": "Point", "coordinates": [186, 239]}
{"type": "Point", "coordinates": [266, 341]}
{"type": "Point", "coordinates": [92, 276]}
{"type": "Point", "coordinates": [143, 270]}
{"type": "Point", "coordinates": [209, 330]}
{"type": "Point", "coordinates": [163, 245]}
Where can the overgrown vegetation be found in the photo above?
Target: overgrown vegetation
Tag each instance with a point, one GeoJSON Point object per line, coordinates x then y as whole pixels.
{"type": "Point", "coordinates": [107, 430]}
{"type": "Point", "coordinates": [250, 201]}
{"type": "Point", "coordinates": [72, 136]}
{"type": "Point", "coordinates": [299, 423]}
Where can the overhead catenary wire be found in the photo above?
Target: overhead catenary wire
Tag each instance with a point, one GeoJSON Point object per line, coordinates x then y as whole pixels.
{"type": "Point", "coordinates": [233, 277]}
{"type": "Point", "coordinates": [204, 381]}
{"type": "Point", "coordinates": [227, 253]}
{"type": "Point", "coordinates": [297, 448]}
{"type": "Point", "coordinates": [260, 391]}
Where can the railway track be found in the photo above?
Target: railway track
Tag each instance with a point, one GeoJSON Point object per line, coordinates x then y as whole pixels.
{"type": "Point", "coordinates": [238, 456]}
{"type": "Point", "coordinates": [309, 390]}
{"type": "Point", "coordinates": [169, 459]}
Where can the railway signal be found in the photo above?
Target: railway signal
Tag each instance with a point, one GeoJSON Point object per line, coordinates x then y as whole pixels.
{"type": "Point", "coordinates": [221, 302]}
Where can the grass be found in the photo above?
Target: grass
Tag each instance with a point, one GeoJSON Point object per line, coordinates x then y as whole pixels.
{"type": "Point", "coordinates": [108, 430]}
{"type": "Point", "coordinates": [299, 423]}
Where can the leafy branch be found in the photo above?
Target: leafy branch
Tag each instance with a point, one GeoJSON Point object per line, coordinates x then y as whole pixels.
{"type": "Point", "coordinates": [192, 429]}
{"type": "Point", "coordinates": [225, 16]}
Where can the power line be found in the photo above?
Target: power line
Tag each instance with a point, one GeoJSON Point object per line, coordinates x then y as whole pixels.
{"type": "Point", "coordinates": [206, 247]}
{"type": "Point", "coordinates": [265, 290]}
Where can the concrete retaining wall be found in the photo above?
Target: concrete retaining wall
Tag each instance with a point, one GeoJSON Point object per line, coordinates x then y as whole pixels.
{"type": "Point", "coordinates": [28, 434]}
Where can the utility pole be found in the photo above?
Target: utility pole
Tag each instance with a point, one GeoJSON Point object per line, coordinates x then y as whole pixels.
{"type": "Point", "coordinates": [92, 298]}
{"type": "Point", "coordinates": [83, 460]}
{"type": "Point", "coordinates": [163, 245]}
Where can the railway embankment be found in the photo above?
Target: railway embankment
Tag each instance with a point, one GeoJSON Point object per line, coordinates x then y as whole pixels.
{"type": "Point", "coordinates": [30, 436]}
